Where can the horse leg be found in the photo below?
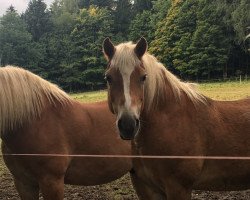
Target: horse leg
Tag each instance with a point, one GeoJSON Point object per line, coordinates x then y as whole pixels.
{"type": "Point", "coordinates": [27, 191]}
{"type": "Point", "coordinates": [178, 192]}
{"type": "Point", "coordinates": [52, 188]}
{"type": "Point", "coordinates": [144, 191]}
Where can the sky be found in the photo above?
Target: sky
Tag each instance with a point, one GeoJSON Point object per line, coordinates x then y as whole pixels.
{"type": "Point", "coordinates": [20, 5]}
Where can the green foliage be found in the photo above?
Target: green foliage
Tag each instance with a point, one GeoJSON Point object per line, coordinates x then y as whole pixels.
{"type": "Point", "coordinates": [193, 40]}
{"type": "Point", "coordinates": [209, 44]}
{"type": "Point", "coordinates": [241, 20]}
{"type": "Point", "coordinates": [109, 4]}
{"type": "Point", "coordinates": [141, 26]}
{"type": "Point", "coordinates": [166, 35]}
{"type": "Point", "coordinates": [16, 46]}
{"type": "Point", "coordinates": [196, 39]}
{"type": "Point", "coordinates": [141, 5]}
{"type": "Point", "coordinates": [236, 20]}
{"type": "Point", "coordinates": [37, 18]}
{"type": "Point", "coordinates": [160, 10]}
{"type": "Point", "coordinates": [146, 23]}
{"type": "Point", "coordinates": [122, 18]}
{"type": "Point", "coordinates": [92, 26]}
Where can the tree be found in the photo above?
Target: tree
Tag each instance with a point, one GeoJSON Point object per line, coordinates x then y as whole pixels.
{"type": "Point", "coordinates": [63, 15]}
{"type": "Point", "coordinates": [109, 4]}
{"type": "Point", "coordinates": [209, 45]}
{"type": "Point", "coordinates": [146, 23]}
{"type": "Point", "coordinates": [141, 5]}
{"type": "Point", "coordinates": [16, 46]}
{"type": "Point", "coordinates": [160, 10]}
{"type": "Point", "coordinates": [141, 26]}
{"type": "Point", "coordinates": [58, 42]}
{"type": "Point", "coordinates": [167, 33]}
{"type": "Point", "coordinates": [92, 26]}
{"type": "Point", "coordinates": [194, 38]}
{"type": "Point", "coordinates": [122, 17]}
{"type": "Point", "coordinates": [37, 18]}
{"type": "Point", "coordinates": [11, 9]}
{"type": "Point", "coordinates": [241, 20]}
{"type": "Point", "coordinates": [236, 20]}
{"type": "Point", "coordinates": [60, 6]}
{"type": "Point", "coordinates": [241, 26]}
{"type": "Point", "coordinates": [191, 40]}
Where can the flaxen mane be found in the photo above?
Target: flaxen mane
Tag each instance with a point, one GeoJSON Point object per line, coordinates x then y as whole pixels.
{"type": "Point", "coordinates": [155, 85]}
{"type": "Point", "coordinates": [23, 96]}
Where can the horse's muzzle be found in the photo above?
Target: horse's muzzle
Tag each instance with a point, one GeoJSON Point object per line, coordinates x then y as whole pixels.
{"type": "Point", "coordinates": [128, 126]}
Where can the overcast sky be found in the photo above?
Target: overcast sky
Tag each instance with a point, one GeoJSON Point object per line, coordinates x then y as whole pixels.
{"type": "Point", "coordinates": [20, 5]}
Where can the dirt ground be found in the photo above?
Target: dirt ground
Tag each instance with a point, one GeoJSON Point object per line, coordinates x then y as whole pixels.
{"type": "Point", "coordinates": [118, 190]}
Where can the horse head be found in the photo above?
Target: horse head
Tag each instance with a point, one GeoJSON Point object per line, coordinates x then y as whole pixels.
{"type": "Point", "coordinates": [126, 77]}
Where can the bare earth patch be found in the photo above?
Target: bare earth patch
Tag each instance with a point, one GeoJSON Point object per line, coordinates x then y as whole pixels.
{"type": "Point", "coordinates": [118, 190]}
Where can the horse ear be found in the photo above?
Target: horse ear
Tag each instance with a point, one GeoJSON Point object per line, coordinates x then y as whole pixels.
{"type": "Point", "coordinates": [108, 49]}
{"type": "Point", "coordinates": [141, 47]}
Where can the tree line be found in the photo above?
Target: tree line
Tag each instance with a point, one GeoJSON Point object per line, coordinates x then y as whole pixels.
{"type": "Point", "coordinates": [195, 39]}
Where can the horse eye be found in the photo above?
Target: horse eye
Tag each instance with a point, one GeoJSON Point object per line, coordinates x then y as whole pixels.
{"type": "Point", "coordinates": [108, 78]}
{"type": "Point", "coordinates": [144, 77]}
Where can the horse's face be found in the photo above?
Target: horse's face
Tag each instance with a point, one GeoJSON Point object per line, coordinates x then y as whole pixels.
{"type": "Point", "coordinates": [125, 77]}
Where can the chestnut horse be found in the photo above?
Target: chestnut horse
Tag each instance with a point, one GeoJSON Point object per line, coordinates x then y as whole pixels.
{"type": "Point", "coordinates": [164, 116]}
{"type": "Point", "coordinates": [36, 117]}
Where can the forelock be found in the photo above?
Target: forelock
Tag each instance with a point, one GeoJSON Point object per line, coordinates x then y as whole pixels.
{"type": "Point", "coordinates": [125, 57]}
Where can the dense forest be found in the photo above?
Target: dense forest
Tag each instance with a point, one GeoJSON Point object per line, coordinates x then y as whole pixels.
{"type": "Point", "coordinates": [195, 39]}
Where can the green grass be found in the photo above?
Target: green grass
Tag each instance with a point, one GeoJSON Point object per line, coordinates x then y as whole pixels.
{"type": "Point", "coordinates": [226, 90]}
{"type": "Point", "coordinates": [90, 96]}
{"type": "Point", "coordinates": [218, 91]}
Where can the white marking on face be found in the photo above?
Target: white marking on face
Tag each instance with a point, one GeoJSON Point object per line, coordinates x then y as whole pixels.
{"type": "Point", "coordinates": [126, 74]}
{"type": "Point", "coordinates": [126, 85]}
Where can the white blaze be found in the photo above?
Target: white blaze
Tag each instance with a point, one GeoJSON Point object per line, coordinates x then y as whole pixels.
{"type": "Point", "coordinates": [126, 87]}
{"type": "Point", "coordinates": [125, 60]}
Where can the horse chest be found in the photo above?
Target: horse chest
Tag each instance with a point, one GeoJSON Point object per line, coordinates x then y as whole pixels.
{"type": "Point", "coordinates": [157, 172]}
{"type": "Point", "coordinates": [141, 167]}
{"type": "Point", "coordinates": [146, 173]}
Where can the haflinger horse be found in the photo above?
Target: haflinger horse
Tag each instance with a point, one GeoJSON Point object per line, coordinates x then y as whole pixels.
{"type": "Point", "coordinates": [36, 117]}
{"type": "Point", "coordinates": [164, 116]}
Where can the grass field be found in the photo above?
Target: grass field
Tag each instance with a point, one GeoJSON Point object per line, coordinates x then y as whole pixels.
{"type": "Point", "coordinates": [218, 91]}
{"type": "Point", "coordinates": [90, 96]}
{"type": "Point", "coordinates": [226, 90]}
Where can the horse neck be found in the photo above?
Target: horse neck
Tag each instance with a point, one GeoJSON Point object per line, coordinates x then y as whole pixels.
{"type": "Point", "coordinates": [167, 101]}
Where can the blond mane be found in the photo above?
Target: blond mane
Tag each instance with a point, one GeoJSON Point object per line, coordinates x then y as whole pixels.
{"type": "Point", "coordinates": [156, 84]}
{"type": "Point", "coordinates": [23, 96]}
{"type": "Point", "coordinates": [157, 74]}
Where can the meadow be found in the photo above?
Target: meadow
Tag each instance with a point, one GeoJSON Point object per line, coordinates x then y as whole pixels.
{"type": "Point", "coordinates": [225, 91]}
{"type": "Point", "coordinates": [122, 189]}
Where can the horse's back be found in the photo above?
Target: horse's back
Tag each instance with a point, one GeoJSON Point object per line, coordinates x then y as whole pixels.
{"type": "Point", "coordinates": [235, 114]}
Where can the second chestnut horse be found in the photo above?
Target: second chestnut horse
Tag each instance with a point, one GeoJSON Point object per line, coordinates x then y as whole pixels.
{"type": "Point", "coordinates": [36, 117]}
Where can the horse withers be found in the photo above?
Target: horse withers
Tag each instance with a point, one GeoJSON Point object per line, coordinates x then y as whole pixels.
{"type": "Point", "coordinates": [36, 117]}
{"type": "Point", "coordinates": [164, 116]}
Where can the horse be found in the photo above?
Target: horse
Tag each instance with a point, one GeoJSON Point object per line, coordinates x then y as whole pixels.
{"type": "Point", "coordinates": [164, 116]}
{"type": "Point", "coordinates": [36, 117]}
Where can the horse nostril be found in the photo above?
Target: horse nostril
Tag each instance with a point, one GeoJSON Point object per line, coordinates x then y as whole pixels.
{"type": "Point", "coordinates": [119, 124]}
{"type": "Point", "coordinates": [137, 122]}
